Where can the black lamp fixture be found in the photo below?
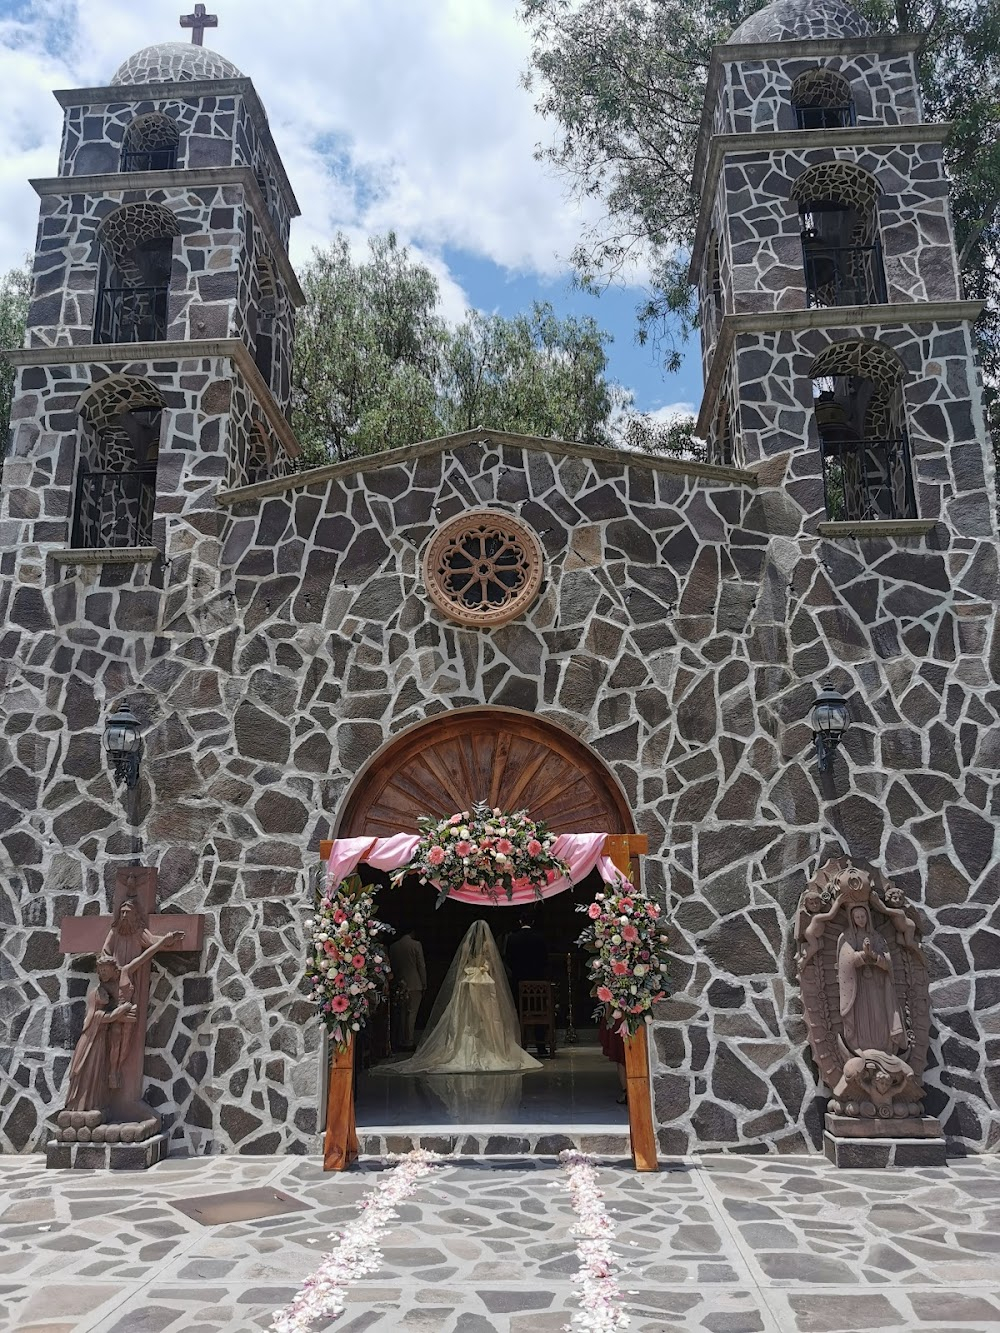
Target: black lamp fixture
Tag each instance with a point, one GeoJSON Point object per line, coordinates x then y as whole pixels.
{"type": "Point", "coordinates": [830, 719]}
{"type": "Point", "coordinates": [123, 742]}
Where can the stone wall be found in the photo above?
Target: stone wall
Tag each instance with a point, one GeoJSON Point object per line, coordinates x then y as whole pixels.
{"type": "Point", "coordinates": [683, 627]}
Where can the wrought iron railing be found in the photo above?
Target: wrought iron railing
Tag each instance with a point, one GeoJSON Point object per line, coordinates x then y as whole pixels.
{"type": "Point", "coordinates": [131, 315]}
{"type": "Point", "coordinates": [150, 159]}
{"type": "Point", "coordinates": [843, 274]}
{"type": "Point", "coordinates": [825, 117]}
{"type": "Point", "coordinates": [868, 479]}
{"type": "Point", "coordinates": [114, 508]}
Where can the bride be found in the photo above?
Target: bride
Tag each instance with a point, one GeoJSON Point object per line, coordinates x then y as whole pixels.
{"type": "Point", "coordinates": [473, 1026]}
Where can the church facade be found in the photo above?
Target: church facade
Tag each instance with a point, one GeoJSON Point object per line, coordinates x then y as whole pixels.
{"type": "Point", "coordinates": [306, 662]}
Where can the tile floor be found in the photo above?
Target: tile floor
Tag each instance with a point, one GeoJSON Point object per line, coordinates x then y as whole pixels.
{"type": "Point", "coordinates": [578, 1086]}
{"type": "Point", "coordinates": [726, 1244]}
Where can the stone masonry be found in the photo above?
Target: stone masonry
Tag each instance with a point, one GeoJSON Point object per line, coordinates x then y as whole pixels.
{"type": "Point", "coordinates": [277, 635]}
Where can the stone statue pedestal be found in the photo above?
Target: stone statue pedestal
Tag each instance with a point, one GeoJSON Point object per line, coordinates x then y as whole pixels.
{"type": "Point", "coordinates": [855, 1143]}
{"type": "Point", "coordinates": [106, 1156]}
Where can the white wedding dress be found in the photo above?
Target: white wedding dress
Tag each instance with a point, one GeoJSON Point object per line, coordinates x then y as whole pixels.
{"type": "Point", "coordinates": [473, 1026]}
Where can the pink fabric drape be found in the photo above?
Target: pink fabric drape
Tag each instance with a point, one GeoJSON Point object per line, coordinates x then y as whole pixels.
{"type": "Point", "coordinates": [582, 852]}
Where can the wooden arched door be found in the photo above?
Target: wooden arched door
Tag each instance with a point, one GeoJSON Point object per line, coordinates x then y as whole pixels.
{"type": "Point", "coordinates": [508, 759]}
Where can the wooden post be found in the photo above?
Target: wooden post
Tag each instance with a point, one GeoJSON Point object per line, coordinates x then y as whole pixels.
{"type": "Point", "coordinates": [640, 1103]}
{"type": "Point", "coordinates": [340, 1144]}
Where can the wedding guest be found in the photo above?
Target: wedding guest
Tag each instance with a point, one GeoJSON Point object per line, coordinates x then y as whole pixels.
{"type": "Point", "coordinates": [406, 957]}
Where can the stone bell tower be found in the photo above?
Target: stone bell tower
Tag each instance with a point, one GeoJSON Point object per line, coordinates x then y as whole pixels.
{"type": "Point", "coordinates": [157, 365]}
{"type": "Point", "coordinates": [837, 349]}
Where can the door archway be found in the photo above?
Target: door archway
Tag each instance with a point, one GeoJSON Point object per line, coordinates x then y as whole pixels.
{"type": "Point", "coordinates": [499, 755]}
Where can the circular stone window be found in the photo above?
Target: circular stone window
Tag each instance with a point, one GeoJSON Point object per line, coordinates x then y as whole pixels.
{"type": "Point", "coordinates": [483, 568]}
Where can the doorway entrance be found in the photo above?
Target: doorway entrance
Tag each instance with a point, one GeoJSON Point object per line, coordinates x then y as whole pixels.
{"type": "Point", "coordinates": [514, 761]}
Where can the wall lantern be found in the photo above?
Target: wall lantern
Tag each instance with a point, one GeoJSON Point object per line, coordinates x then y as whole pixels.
{"type": "Point", "coordinates": [830, 719]}
{"type": "Point", "coordinates": [123, 742]}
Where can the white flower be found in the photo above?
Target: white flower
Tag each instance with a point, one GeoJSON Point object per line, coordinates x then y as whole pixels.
{"type": "Point", "coordinates": [616, 939]}
{"type": "Point", "coordinates": [640, 970]}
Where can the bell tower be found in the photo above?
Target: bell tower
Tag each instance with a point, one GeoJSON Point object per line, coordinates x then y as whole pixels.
{"type": "Point", "coordinates": [159, 340]}
{"type": "Point", "coordinates": [837, 347]}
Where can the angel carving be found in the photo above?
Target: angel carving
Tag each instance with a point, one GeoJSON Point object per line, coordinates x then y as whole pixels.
{"type": "Point", "coordinates": [864, 990]}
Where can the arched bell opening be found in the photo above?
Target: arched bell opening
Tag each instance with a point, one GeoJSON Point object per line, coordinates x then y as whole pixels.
{"type": "Point", "coordinates": [841, 248]}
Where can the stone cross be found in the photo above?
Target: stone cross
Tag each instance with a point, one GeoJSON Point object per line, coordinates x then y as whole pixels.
{"type": "Point", "coordinates": [198, 22]}
{"type": "Point", "coordinates": [125, 934]}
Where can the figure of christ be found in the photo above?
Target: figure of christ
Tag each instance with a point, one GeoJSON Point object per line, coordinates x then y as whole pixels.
{"type": "Point", "coordinates": [811, 936]}
{"type": "Point", "coordinates": [868, 1007]}
{"type": "Point", "coordinates": [130, 944]}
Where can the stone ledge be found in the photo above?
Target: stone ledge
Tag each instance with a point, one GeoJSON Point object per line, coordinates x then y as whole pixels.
{"type": "Point", "coordinates": [105, 1156]}
{"type": "Point", "coordinates": [876, 1154]}
{"type": "Point", "coordinates": [889, 527]}
{"type": "Point", "coordinates": [732, 476]}
{"type": "Point", "coordinates": [105, 555]}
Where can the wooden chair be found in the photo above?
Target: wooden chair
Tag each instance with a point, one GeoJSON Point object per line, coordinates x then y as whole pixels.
{"type": "Point", "coordinates": [537, 1008]}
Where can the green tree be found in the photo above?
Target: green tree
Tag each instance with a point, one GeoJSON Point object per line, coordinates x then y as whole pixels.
{"type": "Point", "coordinates": [624, 82]}
{"type": "Point", "coordinates": [367, 351]}
{"type": "Point", "coordinates": [376, 366]}
{"type": "Point", "coordinates": [15, 292]}
{"type": "Point", "coordinates": [536, 374]}
{"type": "Point", "coordinates": [670, 437]}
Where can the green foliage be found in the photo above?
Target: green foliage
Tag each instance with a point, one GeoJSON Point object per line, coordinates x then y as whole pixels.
{"type": "Point", "coordinates": [376, 366]}
{"type": "Point", "coordinates": [670, 438]}
{"type": "Point", "coordinates": [15, 292]}
{"type": "Point", "coordinates": [624, 81]}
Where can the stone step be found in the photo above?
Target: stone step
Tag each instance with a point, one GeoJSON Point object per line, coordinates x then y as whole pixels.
{"type": "Point", "coordinates": [496, 1140]}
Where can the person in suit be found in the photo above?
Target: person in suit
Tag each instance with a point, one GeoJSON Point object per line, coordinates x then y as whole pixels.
{"type": "Point", "coordinates": [406, 957]}
{"type": "Point", "coordinates": [528, 960]}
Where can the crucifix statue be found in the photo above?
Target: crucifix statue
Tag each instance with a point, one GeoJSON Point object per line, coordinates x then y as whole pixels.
{"type": "Point", "coordinates": [198, 22]}
{"type": "Point", "coordinates": [104, 1099]}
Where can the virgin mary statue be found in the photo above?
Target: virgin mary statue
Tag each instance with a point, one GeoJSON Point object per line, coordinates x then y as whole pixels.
{"type": "Point", "coordinates": [473, 1026]}
{"type": "Point", "coordinates": [868, 1007]}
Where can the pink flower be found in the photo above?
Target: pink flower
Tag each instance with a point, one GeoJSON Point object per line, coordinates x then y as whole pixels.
{"type": "Point", "coordinates": [463, 848]}
{"type": "Point", "coordinates": [339, 1003]}
{"type": "Point", "coordinates": [505, 846]}
{"type": "Point", "coordinates": [551, 876]}
{"type": "Point", "coordinates": [435, 855]}
{"type": "Point", "coordinates": [593, 911]}
{"type": "Point", "coordinates": [330, 949]}
{"type": "Point", "coordinates": [338, 916]}
{"type": "Point", "coordinates": [339, 979]}
{"type": "Point", "coordinates": [619, 969]}
{"type": "Point", "coordinates": [604, 994]}
{"type": "Point", "coordinates": [630, 934]}
{"type": "Point", "coordinates": [455, 819]}
{"type": "Point", "coordinates": [644, 955]}
{"type": "Point", "coordinates": [358, 961]}
{"type": "Point", "coordinates": [626, 904]}
{"type": "Point", "coordinates": [534, 847]}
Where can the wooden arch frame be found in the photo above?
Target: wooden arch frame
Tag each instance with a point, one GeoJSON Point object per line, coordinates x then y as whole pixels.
{"type": "Point", "coordinates": [397, 768]}
{"type": "Point", "coordinates": [499, 755]}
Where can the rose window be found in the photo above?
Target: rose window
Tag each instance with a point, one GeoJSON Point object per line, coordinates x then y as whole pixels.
{"type": "Point", "coordinates": [483, 568]}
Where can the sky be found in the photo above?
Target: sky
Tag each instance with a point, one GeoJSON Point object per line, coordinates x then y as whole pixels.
{"type": "Point", "coordinates": [389, 114]}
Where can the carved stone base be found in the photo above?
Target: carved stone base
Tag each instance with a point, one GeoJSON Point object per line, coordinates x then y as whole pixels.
{"type": "Point", "coordinates": [105, 1156]}
{"type": "Point", "coordinates": [907, 1127]}
{"type": "Point", "coordinates": [871, 1153]}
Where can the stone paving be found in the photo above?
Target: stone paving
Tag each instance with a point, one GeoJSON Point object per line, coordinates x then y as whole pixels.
{"type": "Point", "coordinates": [720, 1243]}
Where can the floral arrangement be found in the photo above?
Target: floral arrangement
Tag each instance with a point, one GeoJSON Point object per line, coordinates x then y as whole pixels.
{"type": "Point", "coordinates": [628, 966]}
{"type": "Point", "coordinates": [600, 1295]}
{"type": "Point", "coordinates": [324, 1293]}
{"type": "Point", "coordinates": [348, 967]}
{"type": "Point", "coordinates": [484, 849]}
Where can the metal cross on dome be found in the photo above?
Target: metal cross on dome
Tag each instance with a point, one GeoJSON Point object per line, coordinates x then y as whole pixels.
{"type": "Point", "coordinates": [198, 22]}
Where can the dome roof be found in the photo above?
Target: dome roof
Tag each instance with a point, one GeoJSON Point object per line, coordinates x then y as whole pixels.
{"type": "Point", "coordinates": [169, 62]}
{"type": "Point", "coordinates": [798, 20]}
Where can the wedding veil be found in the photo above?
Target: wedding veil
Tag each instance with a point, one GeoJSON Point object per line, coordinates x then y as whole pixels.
{"type": "Point", "coordinates": [478, 947]}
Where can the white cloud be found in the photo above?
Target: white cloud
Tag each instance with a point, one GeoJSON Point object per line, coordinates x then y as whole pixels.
{"type": "Point", "coordinates": [388, 113]}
